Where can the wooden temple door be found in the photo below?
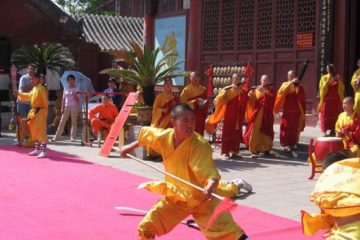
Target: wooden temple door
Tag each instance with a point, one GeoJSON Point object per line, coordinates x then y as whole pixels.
{"type": "Point", "coordinates": [275, 36]}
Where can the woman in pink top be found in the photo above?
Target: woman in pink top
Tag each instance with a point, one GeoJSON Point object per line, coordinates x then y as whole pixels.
{"type": "Point", "coordinates": [70, 107]}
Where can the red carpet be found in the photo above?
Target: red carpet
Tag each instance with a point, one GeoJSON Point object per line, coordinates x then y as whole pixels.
{"type": "Point", "coordinates": [64, 198]}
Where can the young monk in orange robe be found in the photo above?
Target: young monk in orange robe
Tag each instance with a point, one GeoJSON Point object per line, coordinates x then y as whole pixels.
{"type": "Point", "coordinates": [195, 96]}
{"type": "Point", "coordinates": [331, 89]}
{"type": "Point", "coordinates": [230, 106]}
{"type": "Point", "coordinates": [291, 97]}
{"type": "Point", "coordinates": [103, 115]}
{"type": "Point", "coordinates": [259, 132]}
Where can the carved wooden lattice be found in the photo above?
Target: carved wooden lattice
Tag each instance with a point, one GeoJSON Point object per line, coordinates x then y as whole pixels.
{"type": "Point", "coordinates": [125, 7]}
{"type": "Point", "coordinates": [246, 24]}
{"type": "Point", "coordinates": [166, 6]}
{"type": "Point", "coordinates": [284, 24]}
{"type": "Point", "coordinates": [139, 8]}
{"type": "Point", "coordinates": [228, 25]}
{"type": "Point", "coordinates": [211, 10]}
{"type": "Point", "coordinates": [306, 15]}
{"type": "Point", "coordinates": [264, 24]}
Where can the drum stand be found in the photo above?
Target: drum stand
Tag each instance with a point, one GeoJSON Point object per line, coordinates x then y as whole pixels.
{"type": "Point", "coordinates": [315, 168]}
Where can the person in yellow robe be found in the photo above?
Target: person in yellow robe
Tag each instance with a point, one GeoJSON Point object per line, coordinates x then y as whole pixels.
{"type": "Point", "coordinates": [332, 89]}
{"type": "Point", "coordinates": [291, 98]}
{"type": "Point", "coordinates": [355, 83]}
{"type": "Point", "coordinates": [187, 155]}
{"type": "Point", "coordinates": [37, 117]}
{"type": "Point", "coordinates": [259, 133]}
{"type": "Point", "coordinates": [337, 194]}
{"type": "Point", "coordinates": [194, 95]}
{"type": "Point", "coordinates": [163, 104]}
{"type": "Point", "coordinates": [230, 105]}
{"type": "Point", "coordinates": [345, 128]}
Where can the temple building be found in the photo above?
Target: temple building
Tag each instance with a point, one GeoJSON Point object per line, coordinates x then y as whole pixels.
{"type": "Point", "coordinates": [274, 36]}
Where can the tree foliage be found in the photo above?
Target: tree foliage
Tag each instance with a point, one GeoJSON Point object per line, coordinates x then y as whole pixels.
{"type": "Point", "coordinates": [146, 68]}
{"type": "Point", "coordinates": [47, 56]}
{"type": "Point", "coordinates": [84, 6]}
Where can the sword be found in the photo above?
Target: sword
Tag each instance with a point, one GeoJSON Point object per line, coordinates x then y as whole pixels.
{"type": "Point", "coordinates": [190, 223]}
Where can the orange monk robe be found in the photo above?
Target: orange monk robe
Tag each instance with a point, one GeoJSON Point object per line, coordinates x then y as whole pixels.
{"type": "Point", "coordinates": [337, 194]}
{"type": "Point", "coordinates": [345, 121]}
{"type": "Point", "coordinates": [292, 100]}
{"type": "Point", "coordinates": [259, 133]}
{"type": "Point", "coordinates": [331, 97]}
{"type": "Point", "coordinates": [163, 104]}
{"type": "Point", "coordinates": [37, 116]}
{"type": "Point", "coordinates": [354, 80]}
{"type": "Point", "coordinates": [192, 96]}
{"type": "Point", "coordinates": [102, 116]}
{"type": "Point", "coordinates": [192, 161]}
{"type": "Point", "coordinates": [352, 138]}
{"type": "Point", "coordinates": [230, 107]}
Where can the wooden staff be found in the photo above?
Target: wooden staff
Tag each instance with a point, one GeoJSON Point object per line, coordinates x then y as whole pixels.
{"type": "Point", "coordinates": [173, 176]}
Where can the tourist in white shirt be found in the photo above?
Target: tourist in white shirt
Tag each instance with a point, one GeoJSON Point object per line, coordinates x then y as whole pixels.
{"type": "Point", "coordinates": [70, 107]}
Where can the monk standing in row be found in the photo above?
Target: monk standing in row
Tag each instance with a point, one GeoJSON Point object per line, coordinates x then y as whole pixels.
{"type": "Point", "coordinates": [163, 104]}
{"type": "Point", "coordinates": [194, 95]}
{"type": "Point", "coordinates": [331, 89]}
{"type": "Point", "coordinates": [259, 134]}
{"type": "Point", "coordinates": [230, 106]}
{"type": "Point", "coordinates": [355, 83]}
{"type": "Point", "coordinates": [291, 97]}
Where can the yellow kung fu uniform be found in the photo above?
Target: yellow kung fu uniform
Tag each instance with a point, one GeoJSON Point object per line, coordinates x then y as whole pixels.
{"type": "Point", "coordinates": [354, 79]}
{"type": "Point", "coordinates": [224, 189]}
{"type": "Point", "coordinates": [345, 121]}
{"type": "Point", "coordinates": [37, 117]}
{"type": "Point", "coordinates": [337, 193]}
{"type": "Point", "coordinates": [191, 161]}
{"type": "Point", "coordinates": [163, 104]}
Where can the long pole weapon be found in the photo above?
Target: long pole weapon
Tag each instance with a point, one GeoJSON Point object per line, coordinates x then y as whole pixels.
{"type": "Point", "coordinates": [16, 115]}
{"type": "Point", "coordinates": [303, 68]}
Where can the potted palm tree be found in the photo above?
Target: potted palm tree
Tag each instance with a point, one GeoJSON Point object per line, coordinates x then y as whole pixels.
{"type": "Point", "coordinates": [47, 56]}
{"type": "Point", "coordinates": [146, 69]}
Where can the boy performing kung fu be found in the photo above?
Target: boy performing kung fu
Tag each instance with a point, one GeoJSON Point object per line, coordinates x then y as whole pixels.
{"type": "Point", "coordinates": [187, 155]}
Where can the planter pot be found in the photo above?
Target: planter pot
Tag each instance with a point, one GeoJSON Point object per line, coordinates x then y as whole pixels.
{"type": "Point", "coordinates": [144, 115]}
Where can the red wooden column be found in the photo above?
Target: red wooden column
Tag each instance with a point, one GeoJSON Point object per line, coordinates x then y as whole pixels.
{"type": "Point", "coordinates": [194, 37]}
{"type": "Point", "coordinates": [149, 30]}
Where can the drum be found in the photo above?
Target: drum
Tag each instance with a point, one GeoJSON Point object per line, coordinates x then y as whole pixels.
{"type": "Point", "coordinates": [327, 145]}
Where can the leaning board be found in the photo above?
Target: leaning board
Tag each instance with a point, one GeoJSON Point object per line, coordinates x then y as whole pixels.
{"type": "Point", "coordinates": [118, 124]}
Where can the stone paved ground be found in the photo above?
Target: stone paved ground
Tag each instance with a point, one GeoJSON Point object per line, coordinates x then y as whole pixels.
{"type": "Point", "coordinates": [280, 182]}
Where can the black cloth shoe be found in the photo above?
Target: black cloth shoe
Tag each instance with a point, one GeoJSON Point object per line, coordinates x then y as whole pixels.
{"type": "Point", "coordinates": [244, 237]}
